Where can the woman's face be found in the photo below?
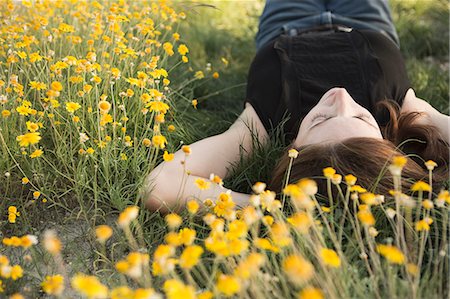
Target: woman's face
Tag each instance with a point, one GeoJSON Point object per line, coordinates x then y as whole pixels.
{"type": "Point", "coordinates": [336, 117]}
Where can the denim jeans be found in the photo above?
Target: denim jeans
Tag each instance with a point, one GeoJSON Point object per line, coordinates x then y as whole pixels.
{"type": "Point", "coordinates": [288, 16]}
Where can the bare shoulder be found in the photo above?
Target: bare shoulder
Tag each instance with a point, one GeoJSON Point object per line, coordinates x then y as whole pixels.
{"type": "Point", "coordinates": [429, 115]}
{"type": "Point", "coordinates": [411, 103]}
{"type": "Point", "coordinates": [249, 121]}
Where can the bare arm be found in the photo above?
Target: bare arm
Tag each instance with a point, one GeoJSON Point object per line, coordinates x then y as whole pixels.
{"type": "Point", "coordinates": [169, 185]}
{"type": "Point", "coordinates": [431, 115]}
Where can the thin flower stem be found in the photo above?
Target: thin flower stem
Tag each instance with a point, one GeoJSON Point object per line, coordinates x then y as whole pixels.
{"type": "Point", "coordinates": [330, 198]}
{"type": "Point", "coordinates": [287, 181]}
{"type": "Point", "coordinates": [346, 199]}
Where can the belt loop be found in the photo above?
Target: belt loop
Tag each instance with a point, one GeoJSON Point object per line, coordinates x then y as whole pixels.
{"type": "Point", "coordinates": [289, 31]}
{"type": "Point", "coordinates": [325, 18]}
{"type": "Point", "coordinates": [293, 32]}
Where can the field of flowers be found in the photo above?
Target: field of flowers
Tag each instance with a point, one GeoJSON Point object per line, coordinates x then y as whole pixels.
{"type": "Point", "coordinates": [94, 94]}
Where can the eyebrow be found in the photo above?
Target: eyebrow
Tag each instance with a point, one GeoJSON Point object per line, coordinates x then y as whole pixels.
{"type": "Point", "coordinates": [318, 124]}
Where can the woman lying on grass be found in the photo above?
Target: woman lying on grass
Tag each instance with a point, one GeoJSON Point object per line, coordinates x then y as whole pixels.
{"type": "Point", "coordinates": [332, 76]}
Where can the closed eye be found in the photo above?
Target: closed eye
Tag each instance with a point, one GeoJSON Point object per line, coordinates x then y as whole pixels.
{"type": "Point", "coordinates": [364, 117]}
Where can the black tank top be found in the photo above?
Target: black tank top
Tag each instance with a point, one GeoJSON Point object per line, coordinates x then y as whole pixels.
{"type": "Point", "coordinates": [289, 76]}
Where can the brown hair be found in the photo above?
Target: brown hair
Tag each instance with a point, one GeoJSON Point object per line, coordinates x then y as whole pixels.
{"type": "Point", "coordinates": [368, 158]}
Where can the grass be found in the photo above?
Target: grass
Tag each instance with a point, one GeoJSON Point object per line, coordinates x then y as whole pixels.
{"type": "Point", "coordinates": [82, 191]}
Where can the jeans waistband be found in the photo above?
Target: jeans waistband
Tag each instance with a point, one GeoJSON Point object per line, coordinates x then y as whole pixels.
{"type": "Point", "coordinates": [323, 29]}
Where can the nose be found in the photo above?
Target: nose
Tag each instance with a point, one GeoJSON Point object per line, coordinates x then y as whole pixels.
{"type": "Point", "coordinates": [344, 103]}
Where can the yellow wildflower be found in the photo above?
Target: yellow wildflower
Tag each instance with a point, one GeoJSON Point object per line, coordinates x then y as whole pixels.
{"type": "Point", "coordinates": [330, 258]}
{"type": "Point", "coordinates": [144, 293]}
{"type": "Point", "coordinates": [182, 49]}
{"type": "Point", "coordinates": [128, 215]}
{"type": "Point", "coordinates": [87, 88]}
{"type": "Point", "coordinates": [192, 206]}
{"type": "Point", "coordinates": [293, 153]}
{"type": "Point", "coordinates": [104, 107]}
{"type": "Point", "coordinates": [28, 138]}
{"type": "Point", "coordinates": [328, 172]}
{"type": "Point", "coordinates": [301, 221]}
{"type": "Point", "coordinates": [215, 179]}
{"type": "Point", "coordinates": [187, 236]}
{"type": "Point", "coordinates": [237, 229]}
{"type": "Point", "coordinates": [391, 253]}
{"type": "Point", "coordinates": [158, 106]}
{"type": "Point", "coordinates": [173, 220]}
{"type": "Point", "coordinates": [25, 180]}
{"type": "Point", "coordinates": [186, 149]}
{"type": "Point", "coordinates": [398, 162]}
{"type": "Point", "coordinates": [38, 85]}
{"type": "Point", "coordinates": [420, 186]}
{"type": "Point", "coordinates": [72, 106]}
{"type": "Point", "coordinates": [202, 184]}
{"type": "Point", "coordinates": [16, 272]}
{"type": "Point", "coordinates": [159, 141]}
{"type": "Point", "coordinates": [159, 118]}
{"type": "Point", "coordinates": [365, 216]}
{"type": "Point", "coordinates": [443, 197]}
{"type": "Point", "coordinates": [228, 285]}
{"type": "Point", "coordinates": [336, 179]}
{"type": "Point", "coordinates": [96, 79]}
{"type": "Point", "coordinates": [194, 103]}
{"type": "Point", "coordinates": [259, 187]}
{"type": "Point", "coordinates": [298, 269]}
{"type": "Point", "coordinates": [24, 110]}
{"type": "Point", "coordinates": [325, 209]}
{"type": "Point", "coordinates": [89, 286]}
{"type": "Point", "coordinates": [430, 164]}
{"type": "Point", "coordinates": [205, 295]}
{"type": "Point", "coordinates": [51, 242]}
{"type": "Point", "coordinates": [250, 265]}
{"type": "Point", "coordinates": [103, 233]}
{"type": "Point", "coordinates": [427, 204]}
{"type": "Point", "coordinates": [12, 214]}
{"type": "Point", "coordinates": [215, 75]}
{"type": "Point", "coordinates": [224, 204]}
{"type": "Point", "coordinates": [37, 153]}
{"type": "Point", "coordinates": [53, 285]}
{"type": "Point", "coordinates": [27, 241]}
{"type": "Point", "coordinates": [146, 142]}
{"type": "Point", "coordinates": [350, 179]}
{"type": "Point", "coordinates": [358, 189]}
{"type": "Point", "coordinates": [368, 198]}
{"type": "Point", "coordinates": [168, 157]}
{"type": "Point", "coordinates": [424, 224]}
{"type": "Point", "coordinates": [190, 256]}
{"type": "Point", "coordinates": [6, 113]}
{"type": "Point", "coordinates": [56, 86]}
{"type": "Point", "coordinates": [175, 289]}
{"type": "Point", "coordinates": [265, 244]}
{"type": "Point", "coordinates": [310, 293]}
{"type": "Point", "coordinates": [199, 75]}
{"type": "Point", "coordinates": [168, 48]}
{"type": "Point", "coordinates": [224, 61]}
